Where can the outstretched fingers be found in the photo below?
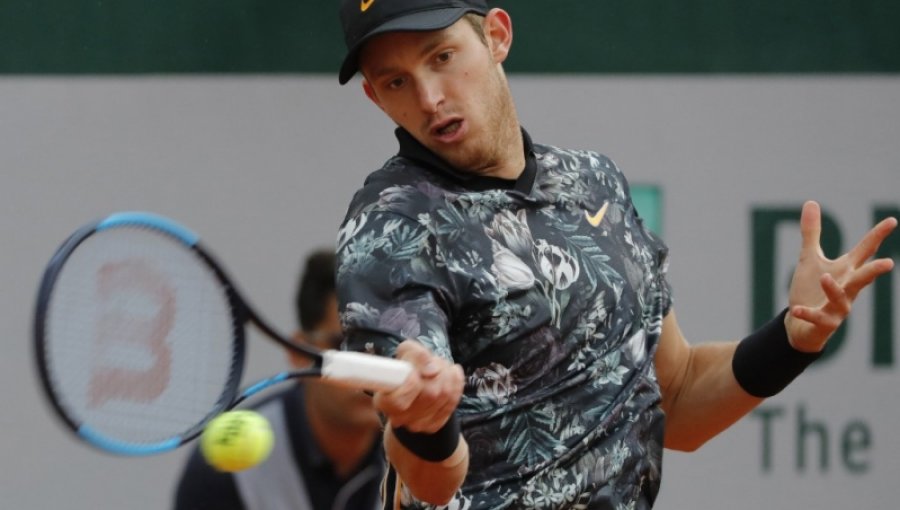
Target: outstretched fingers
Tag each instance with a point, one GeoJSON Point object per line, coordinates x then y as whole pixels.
{"type": "Point", "coordinates": [840, 296]}
{"type": "Point", "coordinates": [869, 244]}
{"type": "Point", "coordinates": [811, 228]}
{"type": "Point", "coordinates": [822, 290]}
{"type": "Point", "coordinates": [863, 276]}
{"type": "Point", "coordinates": [832, 312]}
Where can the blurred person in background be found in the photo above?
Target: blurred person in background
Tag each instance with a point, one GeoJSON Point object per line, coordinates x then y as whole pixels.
{"type": "Point", "coordinates": [327, 451]}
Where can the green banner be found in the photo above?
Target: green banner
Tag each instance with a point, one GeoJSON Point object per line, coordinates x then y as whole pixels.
{"type": "Point", "coordinates": [559, 36]}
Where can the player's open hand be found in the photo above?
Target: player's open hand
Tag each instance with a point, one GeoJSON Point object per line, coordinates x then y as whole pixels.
{"type": "Point", "coordinates": [429, 395]}
{"type": "Point", "coordinates": [822, 290]}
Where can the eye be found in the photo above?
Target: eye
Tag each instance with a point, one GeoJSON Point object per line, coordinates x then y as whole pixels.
{"type": "Point", "coordinates": [443, 57]}
{"type": "Point", "coordinates": [395, 83]}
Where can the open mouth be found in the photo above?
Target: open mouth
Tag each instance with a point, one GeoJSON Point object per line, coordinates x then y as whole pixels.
{"type": "Point", "coordinates": [450, 128]}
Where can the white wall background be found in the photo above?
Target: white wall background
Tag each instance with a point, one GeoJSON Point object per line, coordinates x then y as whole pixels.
{"type": "Point", "coordinates": [262, 168]}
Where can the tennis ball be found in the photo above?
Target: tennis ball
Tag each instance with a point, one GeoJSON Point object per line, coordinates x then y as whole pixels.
{"type": "Point", "coordinates": [236, 440]}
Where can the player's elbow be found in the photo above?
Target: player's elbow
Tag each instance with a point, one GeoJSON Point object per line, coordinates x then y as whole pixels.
{"type": "Point", "coordinates": [684, 442]}
{"type": "Point", "coordinates": [684, 446]}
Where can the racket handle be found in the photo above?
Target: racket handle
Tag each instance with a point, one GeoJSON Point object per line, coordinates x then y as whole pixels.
{"type": "Point", "coordinates": [366, 371]}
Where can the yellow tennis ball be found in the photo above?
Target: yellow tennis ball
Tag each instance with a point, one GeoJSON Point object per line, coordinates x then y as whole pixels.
{"type": "Point", "coordinates": [236, 440]}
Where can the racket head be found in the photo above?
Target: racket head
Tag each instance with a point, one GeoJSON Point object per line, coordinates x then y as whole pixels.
{"type": "Point", "coordinates": [139, 336]}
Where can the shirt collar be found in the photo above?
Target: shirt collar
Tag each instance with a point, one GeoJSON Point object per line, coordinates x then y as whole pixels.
{"type": "Point", "coordinates": [304, 444]}
{"type": "Point", "coordinates": [410, 148]}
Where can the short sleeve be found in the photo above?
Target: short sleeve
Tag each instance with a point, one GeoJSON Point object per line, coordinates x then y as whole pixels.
{"type": "Point", "coordinates": [655, 251]}
{"type": "Point", "coordinates": [390, 285]}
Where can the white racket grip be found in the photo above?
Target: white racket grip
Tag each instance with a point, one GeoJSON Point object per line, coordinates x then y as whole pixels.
{"type": "Point", "coordinates": [366, 371]}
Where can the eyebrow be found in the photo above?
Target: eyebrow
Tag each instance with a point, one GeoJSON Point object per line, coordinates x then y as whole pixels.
{"type": "Point", "coordinates": [433, 42]}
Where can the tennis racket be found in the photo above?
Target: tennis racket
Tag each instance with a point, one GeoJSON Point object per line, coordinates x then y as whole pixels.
{"type": "Point", "coordinates": [140, 337]}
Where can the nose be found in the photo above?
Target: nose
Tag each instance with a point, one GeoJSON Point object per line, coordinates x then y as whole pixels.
{"type": "Point", "coordinates": [430, 94]}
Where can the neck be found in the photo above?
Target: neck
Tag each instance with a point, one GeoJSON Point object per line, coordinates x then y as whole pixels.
{"type": "Point", "coordinates": [511, 160]}
{"type": "Point", "coordinates": [510, 147]}
{"type": "Point", "coordinates": [345, 445]}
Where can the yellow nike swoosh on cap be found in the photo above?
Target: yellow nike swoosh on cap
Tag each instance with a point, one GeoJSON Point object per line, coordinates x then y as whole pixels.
{"type": "Point", "coordinates": [365, 4]}
{"type": "Point", "coordinates": [597, 218]}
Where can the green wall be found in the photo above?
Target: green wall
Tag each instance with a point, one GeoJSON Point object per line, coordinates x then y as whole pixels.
{"type": "Point", "coordinates": [558, 36]}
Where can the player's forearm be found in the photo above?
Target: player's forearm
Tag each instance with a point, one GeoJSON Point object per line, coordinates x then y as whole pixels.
{"type": "Point", "coordinates": [432, 482]}
{"type": "Point", "coordinates": [709, 398]}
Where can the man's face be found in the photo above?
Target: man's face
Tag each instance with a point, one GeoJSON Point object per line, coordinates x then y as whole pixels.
{"type": "Point", "coordinates": [446, 88]}
{"type": "Point", "coordinates": [340, 406]}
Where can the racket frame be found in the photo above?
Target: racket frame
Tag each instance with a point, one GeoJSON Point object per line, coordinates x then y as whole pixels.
{"type": "Point", "coordinates": [241, 314]}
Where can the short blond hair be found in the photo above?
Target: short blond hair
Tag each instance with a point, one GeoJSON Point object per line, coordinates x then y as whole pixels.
{"type": "Point", "coordinates": [477, 23]}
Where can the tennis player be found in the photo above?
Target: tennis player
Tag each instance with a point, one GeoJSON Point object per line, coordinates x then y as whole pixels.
{"type": "Point", "coordinates": [521, 282]}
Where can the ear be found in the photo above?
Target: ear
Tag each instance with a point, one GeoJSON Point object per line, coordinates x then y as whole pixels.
{"type": "Point", "coordinates": [370, 93]}
{"type": "Point", "coordinates": [499, 33]}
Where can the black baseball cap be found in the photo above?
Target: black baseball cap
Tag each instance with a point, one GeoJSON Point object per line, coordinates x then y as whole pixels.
{"type": "Point", "coordinates": [364, 19]}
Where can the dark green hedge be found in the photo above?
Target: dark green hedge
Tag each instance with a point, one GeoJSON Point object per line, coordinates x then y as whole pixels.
{"type": "Point", "coordinates": [558, 36]}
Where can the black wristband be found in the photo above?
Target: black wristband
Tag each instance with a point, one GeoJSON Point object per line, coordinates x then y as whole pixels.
{"type": "Point", "coordinates": [765, 362]}
{"type": "Point", "coordinates": [431, 447]}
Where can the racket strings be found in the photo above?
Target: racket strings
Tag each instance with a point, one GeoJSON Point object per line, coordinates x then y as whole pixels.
{"type": "Point", "coordinates": [140, 333]}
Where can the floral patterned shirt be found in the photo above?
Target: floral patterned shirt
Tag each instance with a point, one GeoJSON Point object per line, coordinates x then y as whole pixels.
{"type": "Point", "coordinates": [548, 291]}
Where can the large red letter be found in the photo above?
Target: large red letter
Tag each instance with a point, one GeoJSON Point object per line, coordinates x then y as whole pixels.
{"type": "Point", "coordinates": [142, 328]}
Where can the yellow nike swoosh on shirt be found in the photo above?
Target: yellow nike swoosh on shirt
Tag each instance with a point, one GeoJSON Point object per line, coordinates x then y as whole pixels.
{"type": "Point", "coordinates": [596, 218]}
{"type": "Point", "coordinates": [365, 4]}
